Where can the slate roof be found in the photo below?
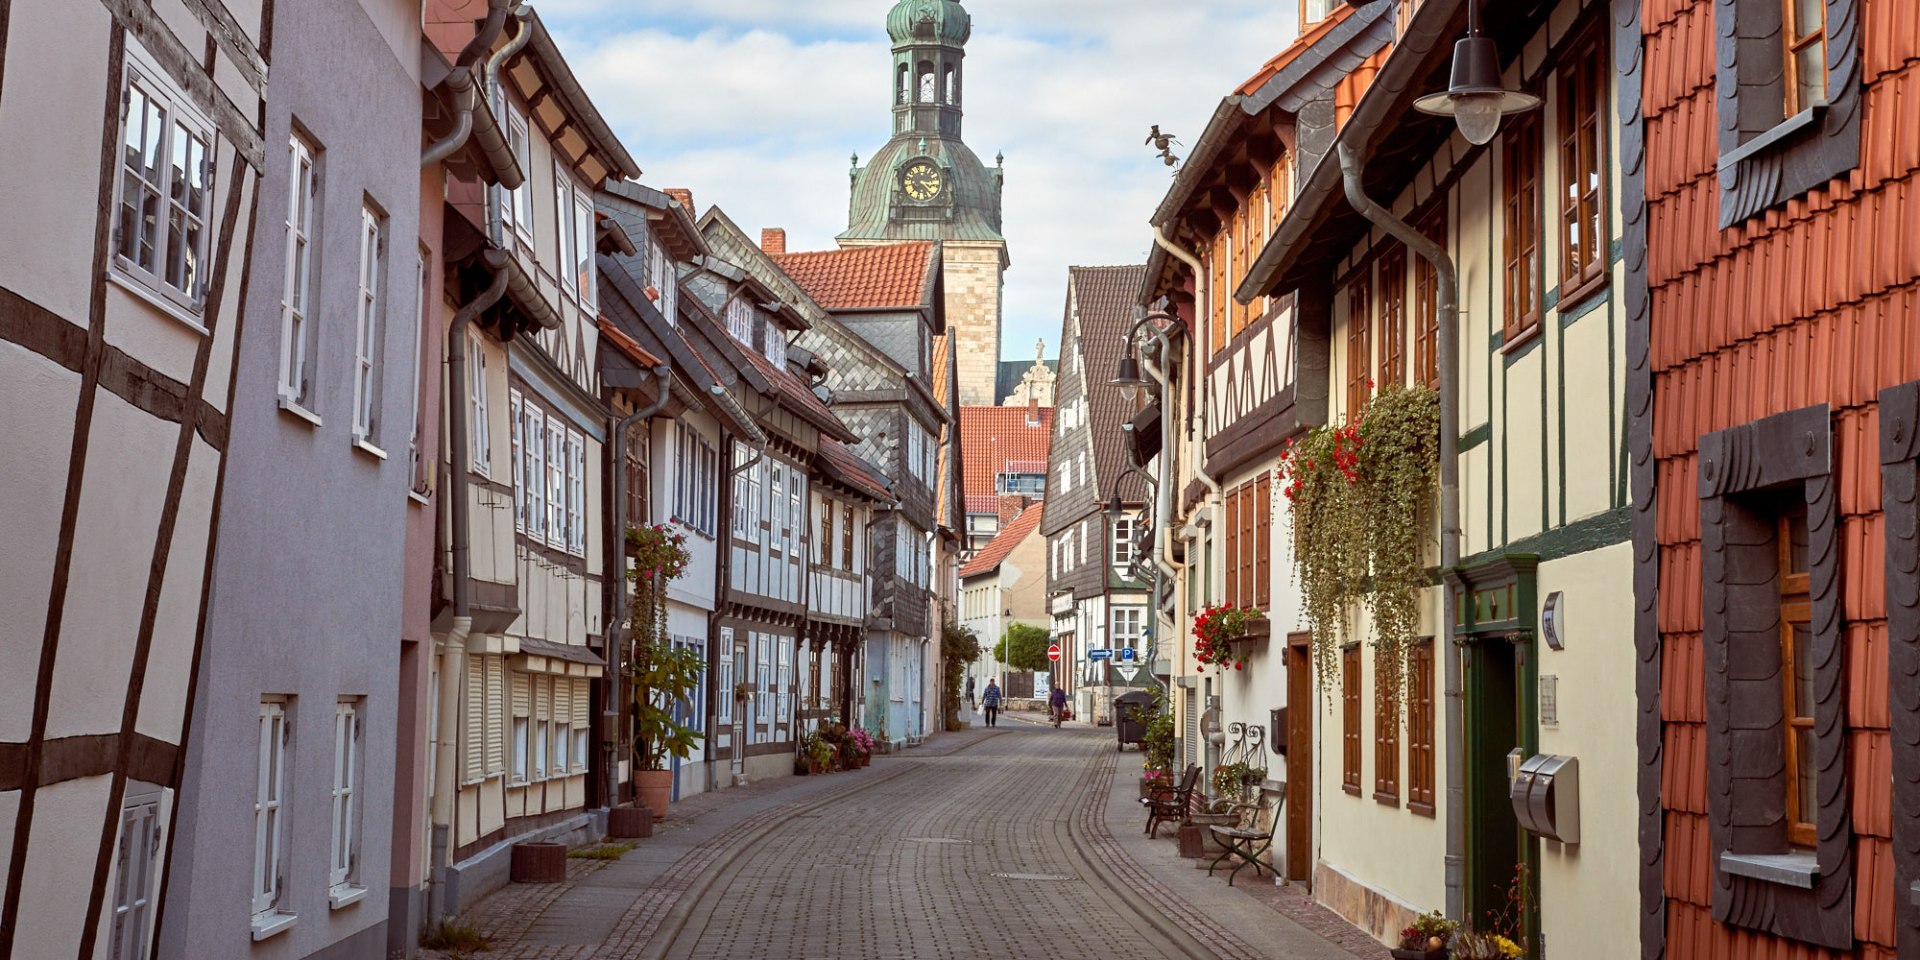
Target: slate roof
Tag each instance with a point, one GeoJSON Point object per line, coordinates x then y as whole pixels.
{"type": "Point", "coordinates": [797, 395]}
{"type": "Point", "coordinates": [839, 463]}
{"type": "Point", "coordinates": [1106, 298]}
{"type": "Point", "coordinates": [1003, 544]}
{"type": "Point", "coordinates": [991, 436]}
{"type": "Point", "coordinates": [890, 276]}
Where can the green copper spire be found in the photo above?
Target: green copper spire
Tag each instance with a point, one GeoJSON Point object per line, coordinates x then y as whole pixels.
{"type": "Point", "coordinates": [943, 22]}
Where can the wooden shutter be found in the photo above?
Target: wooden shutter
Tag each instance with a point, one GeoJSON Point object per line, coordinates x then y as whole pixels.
{"type": "Point", "coordinates": [1350, 720]}
{"type": "Point", "coordinates": [495, 722]}
{"type": "Point", "coordinates": [1217, 294]}
{"type": "Point", "coordinates": [1263, 541]}
{"type": "Point", "coordinates": [1386, 742]}
{"type": "Point", "coordinates": [1247, 536]}
{"type": "Point", "coordinates": [1359, 346]}
{"type": "Point", "coordinates": [1233, 547]}
{"type": "Point", "coordinates": [1420, 729]}
{"type": "Point", "coordinates": [473, 733]}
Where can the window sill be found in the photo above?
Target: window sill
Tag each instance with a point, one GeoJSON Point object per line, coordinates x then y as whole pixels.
{"type": "Point", "coordinates": [419, 498]}
{"type": "Point", "coordinates": [1519, 338]}
{"type": "Point", "coordinates": [360, 444]}
{"type": "Point", "coordinates": [292, 406]}
{"type": "Point", "coordinates": [1780, 132]}
{"type": "Point", "coordinates": [345, 894]}
{"type": "Point", "coordinates": [1420, 809]}
{"type": "Point", "coordinates": [271, 924]}
{"type": "Point", "coordinates": [1797, 869]}
{"type": "Point", "coordinates": [1351, 789]}
{"type": "Point", "coordinates": [159, 301]}
{"type": "Point", "coordinates": [1386, 799]}
{"type": "Point", "coordinates": [1572, 296]}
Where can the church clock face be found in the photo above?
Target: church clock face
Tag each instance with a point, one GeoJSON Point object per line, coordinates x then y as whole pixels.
{"type": "Point", "coordinates": [922, 180]}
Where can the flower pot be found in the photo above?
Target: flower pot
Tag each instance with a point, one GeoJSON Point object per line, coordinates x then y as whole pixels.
{"type": "Point", "coordinates": [538, 863]}
{"type": "Point", "coordinates": [629, 823]}
{"type": "Point", "coordinates": [1193, 840]}
{"type": "Point", "coordinates": [1403, 953]}
{"type": "Point", "coordinates": [653, 789]}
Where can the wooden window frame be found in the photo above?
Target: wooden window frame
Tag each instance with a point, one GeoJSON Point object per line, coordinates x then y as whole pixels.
{"type": "Point", "coordinates": [1771, 143]}
{"type": "Point", "coordinates": [1359, 345]}
{"type": "Point", "coordinates": [1350, 719]}
{"type": "Point", "coordinates": [1520, 151]}
{"type": "Point", "coordinates": [1796, 609]}
{"type": "Point", "coordinates": [1426, 304]}
{"type": "Point", "coordinates": [1584, 217]}
{"type": "Point", "coordinates": [1393, 316]}
{"type": "Point", "coordinates": [1420, 771]}
{"type": "Point", "coordinates": [1386, 741]}
{"type": "Point", "coordinates": [1799, 38]}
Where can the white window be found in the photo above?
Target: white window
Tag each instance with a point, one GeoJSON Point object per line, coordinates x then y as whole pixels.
{"type": "Point", "coordinates": [542, 708]}
{"type": "Point", "coordinates": [416, 463]}
{"type": "Point", "coordinates": [477, 396]}
{"type": "Point", "coordinates": [366, 364]}
{"type": "Point", "coordinates": [303, 192]}
{"type": "Point", "coordinates": [166, 191]}
{"type": "Point", "coordinates": [520, 749]}
{"type": "Point", "coordinates": [346, 807]}
{"type": "Point", "coordinates": [741, 492]}
{"type": "Point", "coordinates": [556, 501]}
{"type": "Point", "coordinates": [776, 517]}
{"type": "Point", "coordinates": [785, 679]}
{"type": "Point", "coordinates": [584, 247]}
{"type": "Point", "coordinates": [563, 229]}
{"type": "Point", "coordinates": [534, 456]}
{"type": "Point", "coordinates": [740, 320]}
{"type": "Point", "coordinates": [665, 279]}
{"type": "Point", "coordinates": [516, 417]}
{"type": "Point", "coordinates": [580, 747]}
{"type": "Point", "coordinates": [562, 729]}
{"type": "Point", "coordinates": [763, 644]}
{"type": "Point", "coordinates": [1127, 623]}
{"type": "Point", "coordinates": [576, 494]}
{"type": "Point", "coordinates": [574, 229]}
{"type": "Point", "coordinates": [1123, 541]}
{"type": "Point", "coordinates": [267, 825]}
{"type": "Point", "coordinates": [516, 205]}
{"type": "Point", "coordinates": [134, 871]}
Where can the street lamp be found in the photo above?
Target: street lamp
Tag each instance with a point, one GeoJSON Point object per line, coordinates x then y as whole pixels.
{"type": "Point", "coordinates": [1476, 98]}
{"type": "Point", "coordinates": [1128, 378]}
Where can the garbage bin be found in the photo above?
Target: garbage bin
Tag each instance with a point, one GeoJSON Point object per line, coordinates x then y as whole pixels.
{"type": "Point", "coordinates": [1130, 714]}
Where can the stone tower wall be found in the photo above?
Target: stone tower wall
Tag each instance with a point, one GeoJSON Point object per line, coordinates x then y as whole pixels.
{"type": "Point", "coordinates": [973, 274]}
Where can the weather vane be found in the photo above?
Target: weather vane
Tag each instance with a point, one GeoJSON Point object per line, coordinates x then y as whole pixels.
{"type": "Point", "coordinates": [1164, 142]}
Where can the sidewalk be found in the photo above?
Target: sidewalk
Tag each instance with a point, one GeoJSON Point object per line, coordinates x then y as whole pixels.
{"type": "Point", "coordinates": [1255, 917]}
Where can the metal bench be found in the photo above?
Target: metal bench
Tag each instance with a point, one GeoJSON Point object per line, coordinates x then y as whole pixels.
{"type": "Point", "coordinates": [1169, 804]}
{"type": "Point", "coordinates": [1247, 843]}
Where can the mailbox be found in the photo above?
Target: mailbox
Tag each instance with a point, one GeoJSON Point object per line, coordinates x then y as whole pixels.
{"type": "Point", "coordinates": [1546, 797]}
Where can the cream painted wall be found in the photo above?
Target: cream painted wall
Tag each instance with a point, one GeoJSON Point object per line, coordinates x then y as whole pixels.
{"type": "Point", "coordinates": [34, 476]}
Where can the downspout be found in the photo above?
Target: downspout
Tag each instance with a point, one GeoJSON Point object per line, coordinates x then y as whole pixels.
{"type": "Point", "coordinates": [489, 32]}
{"type": "Point", "coordinates": [1446, 313]}
{"type": "Point", "coordinates": [453, 649]}
{"type": "Point", "coordinates": [489, 86]}
{"type": "Point", "coordinates": [1200, 290]}
{"type": "Point", "coordinates": [466, 99]}
{"type": "Point", "coordinates": [616, 628]}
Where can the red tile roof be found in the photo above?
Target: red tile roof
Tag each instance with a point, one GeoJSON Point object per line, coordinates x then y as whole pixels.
{"type": "Point", "coordinates": [992, 436]}
{"type": "Point", "coordinates": [798, 396]}
{"type": "Point", "coordinates": [853, 471]}
{"type": "Point", "coordinates": [862, 278]}
{"type": "Point", "coordinates": [996, 551]}
{"type": "Point", "coordinates": [626, 344]}
{"type": "Point", "coordinates": [1294, 49]}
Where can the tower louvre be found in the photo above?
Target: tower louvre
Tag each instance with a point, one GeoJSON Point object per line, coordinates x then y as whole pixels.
{"type": "Point", "coordinates": [924, 183]}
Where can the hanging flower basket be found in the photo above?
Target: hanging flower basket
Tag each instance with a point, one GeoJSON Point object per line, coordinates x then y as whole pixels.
{"type": "Point", "coordinates": [1214, 630]}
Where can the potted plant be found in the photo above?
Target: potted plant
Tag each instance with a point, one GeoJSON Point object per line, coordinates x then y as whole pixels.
{"type": "Point", "coordinates": [816, 752]}
{"type": "Point", "coordinates": [1153, 780]}
{"type": "Point", "coordinates": [1426, 938]}
{"type": "Point", "coordinates": [1473, 945]}
{"type": "Point", "coordinates": [862, 743]}
{"type": "Point", "coordinates": [660, 676]}
{"type": "Point", "coordinates": [1214, 630]}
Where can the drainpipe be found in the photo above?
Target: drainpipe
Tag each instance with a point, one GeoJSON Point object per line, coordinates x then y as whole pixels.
{"type": "Point", "coordinates": [466, 98]}
{"type": "Point", "coordinates": [489, 87]}
{"type": "Point", "coordinates": [616, 628]}
{"type": "Point", "coordinates": [1446, 312]}
{"type": "Point", "coordinates": [453, 649]}
{"type": "Point", "coordinates": [489, 32]}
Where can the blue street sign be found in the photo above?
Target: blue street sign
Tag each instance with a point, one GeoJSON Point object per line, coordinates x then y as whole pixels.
{"type": "Point", "coordinates": [1126, 653]}
{"type": "Point", "coordinates": [1099, 654]}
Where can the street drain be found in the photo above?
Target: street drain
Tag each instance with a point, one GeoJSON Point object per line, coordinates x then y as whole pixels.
{"type": "Point", "coordinates": [1033, 876]}
{"type": "Point", "coordinates": [935, 840]}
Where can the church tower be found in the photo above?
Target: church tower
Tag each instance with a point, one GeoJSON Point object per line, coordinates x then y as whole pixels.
{"type": "Point", "coordinates": [925, 184]}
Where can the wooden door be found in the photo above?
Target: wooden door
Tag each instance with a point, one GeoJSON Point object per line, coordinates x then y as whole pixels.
{"type": "Point", "coordinates": [1299, 741]}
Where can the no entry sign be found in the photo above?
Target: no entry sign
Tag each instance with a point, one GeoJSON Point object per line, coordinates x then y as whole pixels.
{"type": "Point", "coordinates": [1053, 653]}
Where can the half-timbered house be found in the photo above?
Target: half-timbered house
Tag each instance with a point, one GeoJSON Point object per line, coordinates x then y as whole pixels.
{"type": "Point", "coordinates": [529, 426]}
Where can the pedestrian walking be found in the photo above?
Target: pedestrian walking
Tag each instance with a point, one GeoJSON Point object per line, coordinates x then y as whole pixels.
{"type": "Point", "coordinates": [990, 700]}
{"type": "Point", "coordinates": [1057, 704]}
{"type": "Point", "coordinates": [970, 703]}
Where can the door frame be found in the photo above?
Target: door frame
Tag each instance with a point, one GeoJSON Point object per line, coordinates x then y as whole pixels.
{"type": "Point", "coordinates": [1299, 741]}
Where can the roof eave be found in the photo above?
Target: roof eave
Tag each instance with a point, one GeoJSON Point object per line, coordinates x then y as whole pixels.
{"type": "Point", "coordinates": [1227, 120]}
{"type": "Point", "coordinates": [593, 126]}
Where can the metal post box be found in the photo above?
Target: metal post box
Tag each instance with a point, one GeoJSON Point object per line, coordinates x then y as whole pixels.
{"type": "Point", "coordinates": [1520, 793]}
{"type": "Point", "coordinates": [1546, 797]}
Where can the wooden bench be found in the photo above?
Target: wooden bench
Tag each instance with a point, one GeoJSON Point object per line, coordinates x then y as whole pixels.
{"type": "Point", "coordinates": [1169, 804]}
{"type": "Point", "coordinates": [1247, 843]}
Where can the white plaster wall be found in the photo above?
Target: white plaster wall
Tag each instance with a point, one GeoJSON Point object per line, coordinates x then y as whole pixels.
{"type": "Point", "coordinates": [66, 820]}
{"type": "Point", "coordinates": [34, 475]}
{"type": "Point", "coordinates": [1589, 890]}
{"type": "Point", "coordinates": [59, 49]}
{"type": "Point", "coordinates": [121, 498]}
{"type": "Point", "coordinates": [163, 693]}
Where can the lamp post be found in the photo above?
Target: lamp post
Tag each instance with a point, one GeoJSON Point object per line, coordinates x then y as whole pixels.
{"type": "Point", "coordinates": [1475, 97]}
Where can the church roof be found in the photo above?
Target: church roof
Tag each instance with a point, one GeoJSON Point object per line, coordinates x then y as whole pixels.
{"type": "Point", "coordinates": [890, 276]}
{"type": "Point", "coordinates": [993, 438]}
{"type": "Point", "coordinates": [973, 192]}
{"type": "Point", "coordinates": [1007, 379]}
{"type": "Point", "coordinates": [929, 21]}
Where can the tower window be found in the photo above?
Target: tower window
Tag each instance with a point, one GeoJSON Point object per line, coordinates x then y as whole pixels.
{"type": "Point", "coordinates": [926, 82]}
{"type": "Point", "coordinates": [953, 87]}
{"type": "Point", "coordinates": [906, 84]}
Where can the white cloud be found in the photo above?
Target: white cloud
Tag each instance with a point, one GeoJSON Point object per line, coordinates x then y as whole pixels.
{"type": "Point", "coordinates": [756, 105]}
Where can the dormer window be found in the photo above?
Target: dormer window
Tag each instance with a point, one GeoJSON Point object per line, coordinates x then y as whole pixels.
{"type": "Point", "coordinates": [1806, 35]}
{"type": "Point", "coordinates": [1314, 11]}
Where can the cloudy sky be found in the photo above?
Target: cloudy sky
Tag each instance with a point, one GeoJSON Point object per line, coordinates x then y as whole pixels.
{"type": "Point", "coordinates": [757, 104]}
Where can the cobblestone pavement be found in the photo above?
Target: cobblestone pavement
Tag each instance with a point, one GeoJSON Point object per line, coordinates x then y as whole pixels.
{"type": "Point", "coordinates": [983, 844]}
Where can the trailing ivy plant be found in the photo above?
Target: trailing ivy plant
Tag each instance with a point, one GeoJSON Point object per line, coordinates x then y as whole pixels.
{"type": "Point", "coordinates": [1358, 491]}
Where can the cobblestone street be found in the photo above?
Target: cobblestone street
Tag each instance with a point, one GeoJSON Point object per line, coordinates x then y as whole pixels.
{"type": "Point", "coordinates": [981, 844]}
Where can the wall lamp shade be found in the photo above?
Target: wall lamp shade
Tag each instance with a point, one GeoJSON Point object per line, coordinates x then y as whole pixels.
{"type": "Point", "coordinates": [1475, 98]}
{"type": "Point", "coordinates": [1114, 508]}
{"type": "Point", "coordinates": [1128, 378]}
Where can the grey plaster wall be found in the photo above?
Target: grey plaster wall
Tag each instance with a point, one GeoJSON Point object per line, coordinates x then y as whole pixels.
{"type": "Point", "coordinates": [309, 550]}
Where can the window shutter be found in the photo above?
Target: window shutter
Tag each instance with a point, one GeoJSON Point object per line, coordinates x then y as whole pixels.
{"type": "Point", "coordinates": [563, 702]}
{"type": "Point", "coordinates": [495, 722]}
{"type": "Point", "coordinates": [1263, 540]}
{"type": "Point", "coordinates": [522, 697]}
{"type": "Point", "coordinates": [582, 699]}
{"type": "Point", "coordinates": [1233, 548]}
{"type": "Point", "coordinates": [474, 735]}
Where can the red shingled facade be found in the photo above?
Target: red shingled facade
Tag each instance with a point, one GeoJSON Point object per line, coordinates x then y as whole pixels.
{"type": "Point", "coordinates": [1815, 301]}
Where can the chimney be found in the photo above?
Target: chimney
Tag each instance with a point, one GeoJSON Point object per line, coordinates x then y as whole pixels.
{"type": "Point", "coordinates": [685, 197]}
{"type": "Point", "coordinates": [773, 241]}
{"type": "Point", "coordinates": [1011, 506]}
{"type": "Point", "coordinates": [1033, 409]}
